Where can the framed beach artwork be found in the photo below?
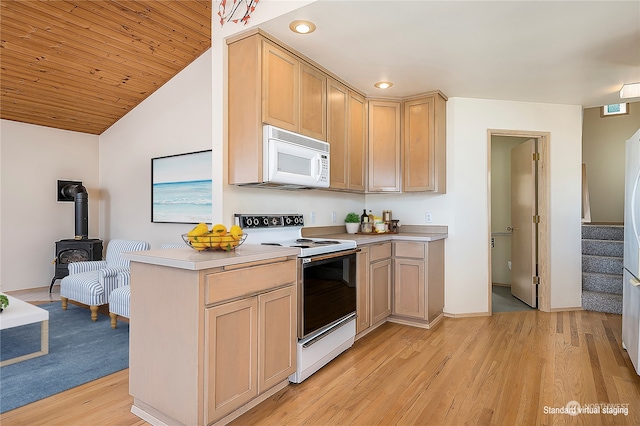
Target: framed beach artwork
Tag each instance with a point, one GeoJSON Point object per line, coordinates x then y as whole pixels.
{"type": "Point", "coordinates": [181, 189]}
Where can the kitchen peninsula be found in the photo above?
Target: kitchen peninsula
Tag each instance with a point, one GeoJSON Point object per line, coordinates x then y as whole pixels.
{"type": "Point", "coordinates": [214, 333]}
{"type": "Point", "coordinates": [210, 331]}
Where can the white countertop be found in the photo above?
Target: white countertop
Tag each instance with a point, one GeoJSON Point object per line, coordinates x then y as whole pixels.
{"type": "Point", "coordinates": [188, 258]}
{"type": "Point", "coordinates": [373, 238]}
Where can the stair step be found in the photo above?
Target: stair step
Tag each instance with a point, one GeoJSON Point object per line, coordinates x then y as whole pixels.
{"type": "Point", "coordinates": [603, 248]}
{"type": "Point", "coordinates": [602, 302]}
{"type": "Point", "coordinates": [603, 283]}
{"type": "Point", "coordinates": [603, 232]}
{"type": "Point", "coordinates": [602, 264]}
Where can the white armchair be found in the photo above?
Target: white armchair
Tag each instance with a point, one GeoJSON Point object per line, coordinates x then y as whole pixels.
{"type": "Point", "coordinates": [92, 282]}
{"type": "Point", "coordinates": [121, 295]}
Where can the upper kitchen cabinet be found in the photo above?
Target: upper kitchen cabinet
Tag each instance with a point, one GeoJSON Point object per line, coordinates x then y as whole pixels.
{"type": "Point", "coordinates": [424, 144]}
{"type": "Point", "coordinates": [384, 146]}
{"type": "Point", "coordinates": [346, 134]}
{"type": "Point", "coordinates": [269, 85]}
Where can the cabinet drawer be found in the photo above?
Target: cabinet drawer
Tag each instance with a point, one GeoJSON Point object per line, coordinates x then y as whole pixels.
{"type": "Point", "coordinates": [379, 251]}
{"type": "Point", "coordinates": [410, 249]}
{"type": "Point", "coordinates": [240, 282]}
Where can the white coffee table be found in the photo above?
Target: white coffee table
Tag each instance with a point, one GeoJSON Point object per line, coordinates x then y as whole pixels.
{"type": "Point", "coordinates": [22, 313]}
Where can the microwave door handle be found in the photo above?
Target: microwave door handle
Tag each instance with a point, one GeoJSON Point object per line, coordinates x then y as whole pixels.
{"type": "Point", "coordinates": [318, 168]}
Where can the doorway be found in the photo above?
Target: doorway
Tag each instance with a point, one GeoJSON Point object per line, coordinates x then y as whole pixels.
{"type": "Point", "coordinates": [527, 268]}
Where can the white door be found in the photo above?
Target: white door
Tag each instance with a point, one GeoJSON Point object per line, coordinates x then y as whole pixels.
{"type": "Point", "coordinates": [523, 210]}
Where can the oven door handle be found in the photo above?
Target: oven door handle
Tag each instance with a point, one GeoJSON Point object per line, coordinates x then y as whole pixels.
{"type": "Point", "coordinates": [306, 260]}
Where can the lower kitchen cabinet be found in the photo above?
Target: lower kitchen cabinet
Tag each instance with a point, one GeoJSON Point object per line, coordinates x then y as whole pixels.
{"type": "Point", "coordinates": [380, 278]}
{"type": "Point", "coordinates": [363, 293]}
{"type": "Point", "coordinates": [232, 350]}
{"type": "Point", "coordinates": [249, 348]}
{"type": "Point", "coordinates": [374, 281]}
{"type": "Point", "coordinates": [418, 282]}
{"type": "Point", "coordinates": [206, 342]}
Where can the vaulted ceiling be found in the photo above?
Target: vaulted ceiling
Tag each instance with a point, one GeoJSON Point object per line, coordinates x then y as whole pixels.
{"type": "Point", "coordinates": [81, 65]}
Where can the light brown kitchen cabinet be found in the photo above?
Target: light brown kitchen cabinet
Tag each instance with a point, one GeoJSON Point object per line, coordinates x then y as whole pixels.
{"type": "Point", "coordinates": [232, 351]}
{"type": "Point", "coordinates": [380, 279]}
{"type": "Point", "coordinates": [424, 144]}
{"type": "Point", "coordinates": [363, 293]}
{"type": "Point", "coordinates": [269, 85]}
{"type": "Point", "coordinates": [384, 146]}
{"type": "Point", "coordinates": [280, 87]}
{"type": "Point", "coordinates": [418, 281]}
{"type": "Point", "coordinates": [313, 103]}
{"type": "Point", "coordinates": [276, 349]}
{"type": "Point", "coordinates": [346, 134]}
{"type": "Point", "coordinates": [249, 348]}
{"type": "Point", "coordinates": [207, 342]}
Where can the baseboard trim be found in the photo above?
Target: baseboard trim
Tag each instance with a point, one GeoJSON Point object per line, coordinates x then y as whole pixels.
{"type": "Point", "coordinates": [568, 309]}
{"type": "Point", "coordinates": [466, 315]}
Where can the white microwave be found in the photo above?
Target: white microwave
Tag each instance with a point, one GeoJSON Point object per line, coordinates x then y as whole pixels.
{"type": "Point", "coordinates": [293, 161]}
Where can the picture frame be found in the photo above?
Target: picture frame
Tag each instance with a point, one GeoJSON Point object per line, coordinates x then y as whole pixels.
{"type": "Point", "coordinates": [181, 188]}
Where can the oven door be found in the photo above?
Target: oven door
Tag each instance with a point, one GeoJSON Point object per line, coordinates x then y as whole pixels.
{"type": "Point", "coordinates": [327, 291]}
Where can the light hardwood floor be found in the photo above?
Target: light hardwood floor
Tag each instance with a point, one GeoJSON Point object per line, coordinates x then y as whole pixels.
{"type": "Point", "coordinates": [499, 370]}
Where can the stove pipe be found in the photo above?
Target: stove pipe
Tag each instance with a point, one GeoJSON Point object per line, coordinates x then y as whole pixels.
{"type": "Point", "coordinates": [81, 197]}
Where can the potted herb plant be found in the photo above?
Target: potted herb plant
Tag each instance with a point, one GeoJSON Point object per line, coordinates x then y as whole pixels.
{"type": "Point", "coordinates": [352, 222]}
{"type": "Point", "coordinates": [4, 302]}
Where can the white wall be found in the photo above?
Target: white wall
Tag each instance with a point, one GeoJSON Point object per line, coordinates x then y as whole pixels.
{"type": "Point", "coordinates": [176, 119]}
{"type": "Point", "coordinates": [32, 160]}
{"type": "Point", "coordinates": [603, 151]}
{"type": "Point", "coordinates": [465, 206]}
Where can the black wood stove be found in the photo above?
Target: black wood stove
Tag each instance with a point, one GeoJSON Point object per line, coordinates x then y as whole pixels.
{"type": "Point", "coordinates": [80, 248]}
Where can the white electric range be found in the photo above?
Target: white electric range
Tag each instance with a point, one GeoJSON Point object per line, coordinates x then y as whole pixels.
{"type": "Point", "coordinates": [326, 287]}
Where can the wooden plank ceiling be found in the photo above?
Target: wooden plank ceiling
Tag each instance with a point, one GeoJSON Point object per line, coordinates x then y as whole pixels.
{"type": "Point", "coordinates": [82, 65]}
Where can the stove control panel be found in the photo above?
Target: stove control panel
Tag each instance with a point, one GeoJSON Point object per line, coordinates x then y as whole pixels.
{"type": "Point", "coordinates": [268, 220]}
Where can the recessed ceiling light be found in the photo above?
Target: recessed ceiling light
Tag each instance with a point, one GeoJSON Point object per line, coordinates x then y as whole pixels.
{"type": "Point", "coordinates": [302, 27]}
{"type": "Point", "coordinates": [383, 84]}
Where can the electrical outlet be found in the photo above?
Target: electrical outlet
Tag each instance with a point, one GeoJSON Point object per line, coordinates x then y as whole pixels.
{"type": "Point", "coordinates": [334, 217]}
{"type": "Point", "coordinates": [313, 217]}
{"type": "Point", "coordinates": [428, 217]}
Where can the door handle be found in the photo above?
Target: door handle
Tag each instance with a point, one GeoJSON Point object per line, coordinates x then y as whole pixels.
{"type": "Point", "coordinates": [634, 282]}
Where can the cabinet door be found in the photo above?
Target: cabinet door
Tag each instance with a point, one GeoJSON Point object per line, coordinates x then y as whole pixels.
{"type": "Point", "coordinates": [409, 288]}
{"type": "Point", "coordinates": [280, 88]}
{"type": "Point", "coordinates": [418, 147]}
{"type": "Point", "coordinates": [277, 338]}
{"type": "Point", "coordinates": [363, 294]}
{"type": "Point", "coordinates": [231, 356]}
{"type": "Point", "coordinates": [313, 103]}
{"type": "Point", "coordinates": [380, 277]}
{"type": "Point", "coordinates": [337, 133]}
{"type": "Point", "coordinates": [357, 137]}
{"type": "Point", "coordinates": [424, 144]}
{"type": "Point", "coordinates": [384, 146]}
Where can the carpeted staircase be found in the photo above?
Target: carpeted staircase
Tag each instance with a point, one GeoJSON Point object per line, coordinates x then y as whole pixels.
{"type": "Point", "coordinates": [602, 264]}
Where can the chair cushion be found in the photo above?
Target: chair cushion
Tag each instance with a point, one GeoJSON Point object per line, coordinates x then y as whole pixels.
{"type": "Point", "coordinates": [84, 287]}
{"type": "Point", "coordinates": [119, 301]}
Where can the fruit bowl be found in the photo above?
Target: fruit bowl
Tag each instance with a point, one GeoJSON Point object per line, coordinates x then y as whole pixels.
{"type": "Point", "coordinates": [214, 243]}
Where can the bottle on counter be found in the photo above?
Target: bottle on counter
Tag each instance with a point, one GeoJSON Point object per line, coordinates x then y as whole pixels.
{"type": "Point", "coordinates": [364, 218]}
{"type": "Point", "coordinates": [371, 217]}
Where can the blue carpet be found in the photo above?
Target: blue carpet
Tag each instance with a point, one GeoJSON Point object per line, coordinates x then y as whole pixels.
{"type": "Point", "coordinates": [80, 351]}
